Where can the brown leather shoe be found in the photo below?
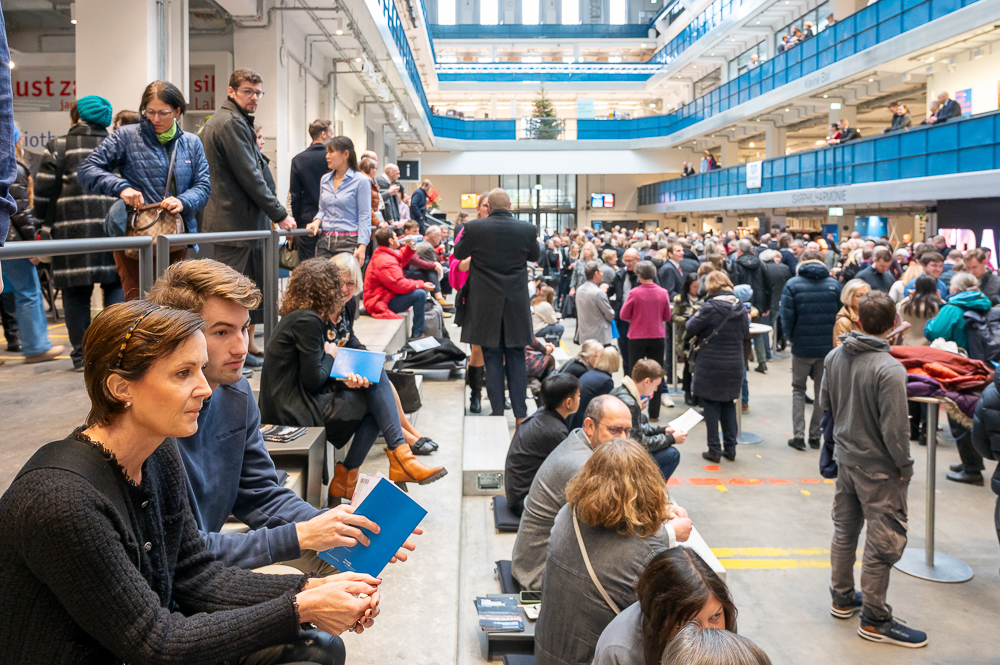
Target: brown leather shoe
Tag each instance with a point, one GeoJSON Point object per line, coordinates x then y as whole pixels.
{"type": "Point", "coordinates": [343, 483]}
{"type": "Point", "coordinates": [404, 468]}
{"type": "Point", "coordinates": [46, 356]}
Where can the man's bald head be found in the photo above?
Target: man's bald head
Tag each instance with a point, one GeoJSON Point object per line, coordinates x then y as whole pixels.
{"type": "Point", "coordinates": [392, 172]}
{"type": "Point", "coordinates": [499, 199]}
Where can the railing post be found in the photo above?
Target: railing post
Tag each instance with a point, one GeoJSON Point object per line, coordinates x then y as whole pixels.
{"type": "Point", "coordinates": [146, 278]}
{"type": "Point", "coordinates": [270, 285]}
{"type": "Point", "coordinates": [162, 255]}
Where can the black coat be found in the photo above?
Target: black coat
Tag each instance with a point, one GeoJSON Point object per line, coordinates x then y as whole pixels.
{"type": "Point", "coordinates": [296, 370]}
{"type": "Point", "coordinates": [718, 366]}
{"type": "Point", "coordinates": [501, 247]}
{"type": "Point", "coordinates": [690, 262]}
{"type": "Point", "coordinates": [986, 427]}
{"type": "Point", "coordinates": [649, 435]}
{"type": "Point", "coordinates": [536, 437]}
{"type": "Point", "coordinates": [74, 213]}
{"type": "Point", "coordinates": [809, 305]}
{"type": "Point", "coordinates": [951, 109]}
{"type": "Point", "coordinates": [22, 222]}
{"type": "Point", "coordinates": [307, 168]}
{"type": "Point", "coordinates": [593, 383]}
{"type": "Point", "coordinates": [551, 260]}
{"type": "Point", "coordinates": [669, 276]}
{"type": "Point", "coordinates": [747, 270]}
{"type": "Point", "coordinates": [776, 274]}
{"type": "Point", "coordinates": [616, 294]}
{"type": "Point", "coordinates": [574, 366]}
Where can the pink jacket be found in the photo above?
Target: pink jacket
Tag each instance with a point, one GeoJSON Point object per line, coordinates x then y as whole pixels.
{"type": "Point", "coordinates": [646, 309]}
{"type": "Point", "coordinates": [456, 278]}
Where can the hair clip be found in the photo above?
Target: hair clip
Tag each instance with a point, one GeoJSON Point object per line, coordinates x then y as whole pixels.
{"type": "Point", "coordinates": [128, 335]}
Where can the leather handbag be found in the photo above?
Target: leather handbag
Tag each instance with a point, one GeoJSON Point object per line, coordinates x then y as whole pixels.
{"type": "Point", "coordinates": [405, 384]}
{"type": "Point", "coordinates": [288, 256]}
{"type": "Point", "coordinates": [153, 220]}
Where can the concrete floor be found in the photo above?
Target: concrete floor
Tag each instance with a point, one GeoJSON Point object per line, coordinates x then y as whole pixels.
{"type": "Point", "coordinates": [772, 537]}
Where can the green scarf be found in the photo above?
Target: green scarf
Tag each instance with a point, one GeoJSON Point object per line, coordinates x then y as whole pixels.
{"type": "Point", "coordinates": [168, 136]}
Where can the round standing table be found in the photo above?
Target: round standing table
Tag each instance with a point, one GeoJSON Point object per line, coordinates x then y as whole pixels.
{"type": "Point", "coordinates": [925, 563]}
{"type": "Point", "coordinates": [741, 436]}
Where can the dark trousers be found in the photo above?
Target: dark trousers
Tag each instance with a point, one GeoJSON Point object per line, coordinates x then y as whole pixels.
{"type": "Point", "coordinates": [306, 246]}
{"type": "Point", "coordinates": [667, 459]}
{"type": "Point", "coordinates": [246, 258]}
{"type": "Point", "coordinates": [425, 276]}
{"type": "Point", "coordinates": [971, 460]}
{"type": "Point", "coordinates": [996, 518]}
{"type": "Point", "coordinates": [652, 348]}
{"type": "Point", "coordinates": [8, 314]}
{"type": "Point", "coordinates": [76, 303]}
{"type": "Point", "coordinates": [312, 647]}
{"type": "Point", "coordinates": [726, 413]}
{"type": "Point", "coordinates": [506, 361]}
{"type": "Point", "coordinates": [623, 342]}
{"type": "Point", "coordinates": [382, 418]}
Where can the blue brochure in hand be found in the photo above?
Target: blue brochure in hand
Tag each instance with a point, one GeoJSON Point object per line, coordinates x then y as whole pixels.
{"type": "Point", "coordinates": [396, 514]}
{"type": "Point", "coordinates": [367, 364]}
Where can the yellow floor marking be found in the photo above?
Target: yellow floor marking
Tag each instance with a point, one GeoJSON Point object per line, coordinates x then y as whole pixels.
{"type": "Point", "coordinates": [829, 481]}
{"type": "Point", "coordinates": [721, 488]}
{"type": "Point", "coordinates": [765, 564]}
{"type": "Point", "coordinates": [769, 551]}
{"type": "Point", "coordinates": [806, 492]}
{"type": "Point", "coordinates": [759, 457]}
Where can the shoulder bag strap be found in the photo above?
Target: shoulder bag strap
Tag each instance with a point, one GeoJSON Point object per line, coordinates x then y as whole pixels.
{"type": "Point", "coordinates": [170, 169]}
{"type": "Point", "coordinates": [90, 464]}
{"type": "Point", "coordinates": [590, 569]}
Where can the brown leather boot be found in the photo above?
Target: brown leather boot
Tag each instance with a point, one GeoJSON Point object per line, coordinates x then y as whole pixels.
{"type": "Point", "coordinates": [343, 483]}
{"type": "Point", "coordinates": [404, 468]}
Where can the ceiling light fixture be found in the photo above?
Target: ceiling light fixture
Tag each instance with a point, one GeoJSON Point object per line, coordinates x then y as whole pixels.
{"type": "Point", "coordinates": [751, 144]}
{"type": "Point", "coordinates": [72, 13]}
{"type": "Point", "coordinates": [825, 96]}
{"type": "Point", "coordinates": [787, 110]}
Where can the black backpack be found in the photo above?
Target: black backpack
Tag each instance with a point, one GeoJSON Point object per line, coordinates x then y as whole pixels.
{"type": "Point", "coordinates": [984, 334]}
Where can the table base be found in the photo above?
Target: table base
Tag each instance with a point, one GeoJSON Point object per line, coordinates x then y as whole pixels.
{"type": "Point", "coordinates": [945, 569]}
{"type": "Point", "coordinates": [748, 438]}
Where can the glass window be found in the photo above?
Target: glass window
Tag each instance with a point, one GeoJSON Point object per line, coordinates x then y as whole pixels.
{"type": "Point", "coordinates": [619, 12]}
{"type": "Point", "coordinates": [446, 12]}
{"type": "Point", "coordinates": [489, 12]}
{"type": "Point", "coordinates": [816, 16]}
{"type": "Point", "coordinates": [571, 12]}
{"type": "Point", "coordinates": [529, 12]}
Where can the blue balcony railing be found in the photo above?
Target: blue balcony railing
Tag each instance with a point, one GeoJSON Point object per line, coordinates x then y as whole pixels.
{"type": "Point", "coordinates": [474, 130]}
{"type": "Point", "coordinates": [544, 31]}
{"type": "Point", "coordinates": [391, 17]}
{"type": "Point", "coordinates": [713, 15]}
{"type": "Point", "coordinates": [866, 28]}
{"type": "Point", "coordinates": [958, 146]}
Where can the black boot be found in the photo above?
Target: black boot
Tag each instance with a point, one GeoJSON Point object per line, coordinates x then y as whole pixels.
{"type": "Point", "coordinates": [475, 377]}
{"type": "Point", "coordinates": [9, 318]}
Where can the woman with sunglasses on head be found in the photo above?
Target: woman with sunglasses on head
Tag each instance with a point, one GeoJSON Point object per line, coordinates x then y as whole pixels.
{"type": "Point", "coordinates": [101, 559]}
{"type": "Point", "coordinates": [152, 162]}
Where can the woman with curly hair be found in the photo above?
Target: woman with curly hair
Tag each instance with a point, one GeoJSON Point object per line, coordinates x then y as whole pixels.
{"type": "Point", "coordinates": [296, 387]}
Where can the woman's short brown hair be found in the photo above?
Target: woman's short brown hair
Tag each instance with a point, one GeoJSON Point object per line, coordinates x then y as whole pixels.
{"type": "Point", "coordinates": [620, 488]}
{"type": "Point", "coordinates": [717, 281]}
{"type": "Point", "coordinates": [314, 284]}
{"type": "Point", "coordinates": [127, 339]}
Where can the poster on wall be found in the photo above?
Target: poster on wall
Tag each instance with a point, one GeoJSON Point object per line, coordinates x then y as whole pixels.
{"type": "Point", "coordinates": [202, 93]}
{"type": "Point", "coordinates": [585, 109]}
{"type": "Point", "coordinates": [964, 99]}
{"type": "Point", "coordinates": [831, 232]}
{"type": "Point", "coordinates": [755, 173]}
{"type": "Point", "coordinates": [871, 227]}
{"type": "Point", "coordinates": [43, 89]}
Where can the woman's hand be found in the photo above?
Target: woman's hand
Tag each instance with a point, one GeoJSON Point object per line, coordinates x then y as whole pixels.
{"type": "Point", "coordinates": [314, 227]}
{"type": "Point", "coordinates": [359, 254]}
{"type": "Point", "coordinates": [170, 204]}
{"type": "Point", "coordinates": [429, 288]}
{"type": "Point", "coordinates": [132, 197]}
{"type": "Point", "coordinates": [333, 604]}
{"type": "Point", "coordinates": [330, 348]}
{"type": "Point", "coordinates": [572, 293]}
{"type": "Point", "coordinates": [355, 381]}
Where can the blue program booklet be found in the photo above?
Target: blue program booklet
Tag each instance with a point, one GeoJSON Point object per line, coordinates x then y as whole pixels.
{"type": "Point", "coordinates": [396, 514]}
{"type": "Point", "coordinates": [367, 364]}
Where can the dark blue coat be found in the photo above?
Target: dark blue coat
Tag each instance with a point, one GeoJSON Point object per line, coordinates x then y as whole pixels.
{"type": "Point", "coordinates": [593, 383]}
{"type": "Point", "coordinates": [136, 153]}
{"type": "Point", "coordinates": [986, 427]}
{"type": "Point", "coordinates": [809, 305]}
{"type": "Point", "coordinates": [718, 366]}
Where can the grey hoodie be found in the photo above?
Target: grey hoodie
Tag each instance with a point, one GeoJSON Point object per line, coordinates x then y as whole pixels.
{"type": "Point", "coordinates": [865, 390]}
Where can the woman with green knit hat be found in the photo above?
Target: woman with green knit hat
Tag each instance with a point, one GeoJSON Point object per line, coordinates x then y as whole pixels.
{"type": "Point", "coordinates": [141, 154]}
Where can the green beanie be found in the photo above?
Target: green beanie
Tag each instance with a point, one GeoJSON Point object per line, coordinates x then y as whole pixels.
{"type": "Point", "coordinates": [94, 109]}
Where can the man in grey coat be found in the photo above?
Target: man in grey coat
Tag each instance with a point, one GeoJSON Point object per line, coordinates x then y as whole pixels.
{"type": "Point", "coordinates": [594, 312]}
{"type": "Point", "coordinates": [864, 389]}
{"type": "Point", "coordinates": [243, 197]}
{"type": "Point", "coordinates": [606, 418]}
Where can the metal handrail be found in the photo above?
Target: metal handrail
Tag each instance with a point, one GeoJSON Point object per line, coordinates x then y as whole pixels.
{"type": "Point", "coordinates": [25, 250]}
{"type": "Point", "coordinates": [270, 290]}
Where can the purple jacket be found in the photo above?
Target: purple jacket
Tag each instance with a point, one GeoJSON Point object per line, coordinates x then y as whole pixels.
{"type": "Point", "coordinates": [646, 309]}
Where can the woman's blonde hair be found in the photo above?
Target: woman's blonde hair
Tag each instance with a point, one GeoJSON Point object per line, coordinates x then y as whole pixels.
{"type": "Point", "coordinates": [912, 271]}
{"type": "Point", "coordinates": [573, 246]}
{"type": "Point", "coordinates": [609, 254]}
{"type": "Point", "coordinates": [620, 488]}
{"type": "Point", "coordinates": [589, 349]}
{"type": "Point", "coordinates": [717, 281]}
{"type": "Point", "coordinates": [593, 251]}
{"type": "Point", "coordinates": [348, 266]}
{"type": "Point", "coordinates": [850, 289]}
{"type": "Point", "coordinates": [608, 360]}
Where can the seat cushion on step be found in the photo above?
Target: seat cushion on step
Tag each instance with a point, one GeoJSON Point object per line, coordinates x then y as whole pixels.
{"type": "Point", "coordinates": [506, 576]}
{"type": "Point", "coordinates": [504, 519]}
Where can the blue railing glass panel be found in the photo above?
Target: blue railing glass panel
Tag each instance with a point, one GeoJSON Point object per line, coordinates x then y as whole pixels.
{"type": "Point", "coordinates": [544, 31]}
{"type": "Point", "coordinates": [958, 146]}
{"type": "Point", "coordinates": [541, 77]}
{"type": "Point", "coordinates": [391, 17]}
{"type": "Point", "coordinates": [474, 130]}
{"type": "Point", "coordinates": [696, 29]}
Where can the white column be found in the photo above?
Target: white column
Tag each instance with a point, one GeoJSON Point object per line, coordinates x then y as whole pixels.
{"type": "Point", "coordinates": [774, 141]}
{"type": "Point", "coordinates": [178, 65]}
{"type": "Point", "coordinates": [730, 153]}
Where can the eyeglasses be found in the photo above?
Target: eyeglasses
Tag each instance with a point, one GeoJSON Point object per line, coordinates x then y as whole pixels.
{"type": "Point", "coordinates": [247, 92]}
{"type": "Point", "coordinates": [159, 114]}
{"type": "Point", "coordinates": [624, 432]}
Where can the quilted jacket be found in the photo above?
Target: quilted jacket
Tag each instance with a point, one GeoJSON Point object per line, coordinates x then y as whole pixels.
{"type": "Point", "coordinates": [384, 280]}
{"type": "Point", "coordinates": [22, 222]}
{"type": "Point", "coordinates": [809, 305]}
{"type": "Point", "coordinates": [136, 153]}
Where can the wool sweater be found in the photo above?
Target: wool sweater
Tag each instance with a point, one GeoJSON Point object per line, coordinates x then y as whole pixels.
{"type": "Point", "coordinates": [647, 309]}
{"type": "Point", "coordinates": [70, 591]}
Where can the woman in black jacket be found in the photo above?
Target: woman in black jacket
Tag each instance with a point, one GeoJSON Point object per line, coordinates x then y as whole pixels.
{"type": "Point", "coordinates": [296, 387]}
{"type": "Point", "coordinates": [595, 382]}
{"type": "Point", "coordinates": [722, 328]}
{"type": "Point", "coordinates": [584, 360]}
{"type": "Point", "coordinates": [101, 559]}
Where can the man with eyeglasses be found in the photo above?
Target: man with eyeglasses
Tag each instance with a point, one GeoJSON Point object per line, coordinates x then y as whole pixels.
{"type": "Point", "coordinates": [606, 418]}
{"type": "Point", "coordinates": [242, 198]}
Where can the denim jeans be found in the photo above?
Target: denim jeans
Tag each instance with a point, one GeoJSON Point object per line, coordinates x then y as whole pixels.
{"type": "Point", "coordinates": [76, 302]}
{"type": "Point", "coordinates": [425, 276]}
{"type": "Point", "coordinates": [551, 333]}
{"type": "Point", "coordinates": [746, 387]}
{"type": "Point", "coordinates": [726, 412]}
{"type": "Point", "coordinates": [21, 278]}
{"type": "Point", "coordinates": [667, 459]}
{"type": "Point", "coordinates": [383, 416]}
{"type": "Point", "coordinates": [765, 340]}
{"type": "Point", "coordinates": [417, 299]}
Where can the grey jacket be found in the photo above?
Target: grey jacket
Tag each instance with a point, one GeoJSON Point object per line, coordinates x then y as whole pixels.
{"type": "Point", "coordinates": [574, 614]}
{"type": "Point", "coordinates": [241, 199]}
{"type": "Point", "coordinates": [864, 388]}
{"type": "Point", "coordinates": [594, 314]}
{"type": "Point", "coordinates": [546, 496]}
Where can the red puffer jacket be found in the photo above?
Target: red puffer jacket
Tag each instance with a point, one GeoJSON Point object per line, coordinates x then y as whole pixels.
{"type": "Point", "coordinates": [384, 280]}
